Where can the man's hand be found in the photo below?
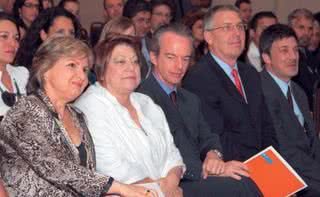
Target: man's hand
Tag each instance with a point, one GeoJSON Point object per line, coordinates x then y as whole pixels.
{"type": "Point", "coordinates": [212, 165]}
{"type": "Point", "coordinates": [235, 169]}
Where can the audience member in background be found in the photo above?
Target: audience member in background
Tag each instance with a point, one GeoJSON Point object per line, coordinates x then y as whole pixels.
{"type": "Point", "coordinates": [112, 9]}
{"type": "Point", "coordinates": [288, 105]}
{"type": "Point", "coordinates": [315, 43]}
{"type": "Point", "coordinates": [26, 11]}
{"type": "Point", "coordinates": [301, 20]}
{"type": "Point", "coordinates": [207, 174]}
{"type": "Point", "coordinates": [245, 9]}
{"type": "Point", "coordinates": [140, 13]}
{"type": "Point", "coordinates": [259, 22]}
{"type": "Point", "coordinates": [47, 4]}
{"type": "Point", "coordinates": [230, 91]}
{"type": "Point", "coordinates": [53, 21]}
{"type": "Point", "coordinates": [185, 6]}
{"type": "Point", "coordinates": [45, 145]}
{"type": "Point", "coordinates": [194, 20]}
{"type": "Point", "coordinates": [72, 6]}
{"type": "Point", "coordinates": [13, 79]}
{"type": "Point", "coordinates": [132, 139]}
{"type": "Point", "coordinates": [120, 25]}
{"type": "Point", "coordinates": [161, 14]}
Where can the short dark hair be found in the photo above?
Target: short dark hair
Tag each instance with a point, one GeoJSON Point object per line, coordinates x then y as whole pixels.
{"type": "Point", "coordinates": [176, 28]}
{"type": "Point", "coordinates": [155, 3]}
{"type": "Point", "coordinates": [274, 33]}
{"type": "Point", "coordinates": [255, 19]}
{"type": "Point", "coordinates": [62, 3]}
{"type": "Point", "coordinates": [133, 7]}
{"type": "Point", "coordinates": [8, 17]}
{"type": "Point", "coordinates": [239, 2]}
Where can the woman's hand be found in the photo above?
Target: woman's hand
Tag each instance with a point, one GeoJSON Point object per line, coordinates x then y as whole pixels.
{"type": "Point", "coordinates": [131, 190]}
{"type": "Point", "coordinates": [169, 188]}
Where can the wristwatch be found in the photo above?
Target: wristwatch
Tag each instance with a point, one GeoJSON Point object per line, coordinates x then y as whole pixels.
{"type": "Point", "coordinates": [219, 154]}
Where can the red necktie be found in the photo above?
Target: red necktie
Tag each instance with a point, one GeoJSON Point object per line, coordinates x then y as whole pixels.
{"type": "Point", "coordinates": [237, 81]}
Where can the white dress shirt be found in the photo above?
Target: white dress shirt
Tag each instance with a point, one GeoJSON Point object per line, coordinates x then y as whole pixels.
{"type": "Point", "coordinates": [254, 57]}
{"type": "Point", "coordinates": [123, 150]}
{"type": "Point", "coordinates": [18, 74]}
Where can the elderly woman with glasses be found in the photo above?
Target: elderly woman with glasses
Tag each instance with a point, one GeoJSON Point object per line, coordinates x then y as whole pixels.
{"type": "Point", "coordinates": [130, 132]}
{"type": "Point", "coordinates": [45, 146]}
{"type": "Point", "coordinates": [13, 79]}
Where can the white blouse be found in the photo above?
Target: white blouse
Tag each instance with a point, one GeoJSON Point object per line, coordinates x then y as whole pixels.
{"type": "Point", "coordinates": [123, 150]}
{"type": "Point", "coordinates": [18, 74]}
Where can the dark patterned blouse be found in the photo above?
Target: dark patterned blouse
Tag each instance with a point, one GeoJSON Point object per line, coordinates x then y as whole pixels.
{"type": "Point", "coordinates": [37, 157]}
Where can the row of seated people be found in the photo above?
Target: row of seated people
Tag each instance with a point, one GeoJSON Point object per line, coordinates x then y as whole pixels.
{"type": "Point", "coordinates": [194, 144]}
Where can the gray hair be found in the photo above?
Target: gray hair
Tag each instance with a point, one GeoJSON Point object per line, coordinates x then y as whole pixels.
{"type": "Point", "coordinates": [49, 52]}
{"type": "Point", "coordinates": [207, 20]}
{"type": "Point", "coordinates": [298, 14]}
{"type": "Point", "coordinates": [176, 28]}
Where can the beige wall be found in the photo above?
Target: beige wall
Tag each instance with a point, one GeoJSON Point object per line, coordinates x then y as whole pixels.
{"type": "Point", "coordinates": [92, 10]}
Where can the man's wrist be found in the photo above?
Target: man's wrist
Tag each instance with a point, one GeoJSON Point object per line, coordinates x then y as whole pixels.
{"type": "Point", "coordinates": [218, 153]}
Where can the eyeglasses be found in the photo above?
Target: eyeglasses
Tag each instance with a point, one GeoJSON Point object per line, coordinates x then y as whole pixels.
{"type": "Point", "coordinates": [231, 27]}
{"type": "Point", "coordinates": [31, 5]}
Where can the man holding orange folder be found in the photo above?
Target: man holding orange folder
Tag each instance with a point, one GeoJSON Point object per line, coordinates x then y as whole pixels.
{"type": "Point", "coordinates": [288, 105]}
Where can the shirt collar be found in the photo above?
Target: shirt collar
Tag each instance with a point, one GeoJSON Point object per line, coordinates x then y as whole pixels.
{"type": "Point", "coordinates": [227, 68]}
{"type": "Point", "coordinates": [164, 86]}
{"type": "Point", "coordinates": [282, 84]}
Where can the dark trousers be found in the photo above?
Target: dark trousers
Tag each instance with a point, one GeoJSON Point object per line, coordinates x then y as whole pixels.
{"type": "Point", "coordinates": [220, 186]}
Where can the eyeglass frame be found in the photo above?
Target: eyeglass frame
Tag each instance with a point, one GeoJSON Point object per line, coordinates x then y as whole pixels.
{"type": "Point", "coordinates": [230, 27]}
{"type": "Point", "coordinates": [31, 5]}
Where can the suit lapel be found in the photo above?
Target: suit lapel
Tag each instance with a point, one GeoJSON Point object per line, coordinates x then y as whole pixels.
{"type": "Point", "coordinates": [276, 92]}
{"type": "Point", "coordinates": [226, 82]}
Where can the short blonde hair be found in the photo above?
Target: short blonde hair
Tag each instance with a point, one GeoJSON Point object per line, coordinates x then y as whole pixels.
{"type": "Point", "coordinates": [116, 26]}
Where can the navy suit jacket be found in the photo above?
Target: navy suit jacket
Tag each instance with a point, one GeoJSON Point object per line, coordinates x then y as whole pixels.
{"type": "Point", "coordinates": [191, 133]}
{"type": "Point", "coordinates": [298, 145]}
{"type": "Point", "coordinates": [245, 128]}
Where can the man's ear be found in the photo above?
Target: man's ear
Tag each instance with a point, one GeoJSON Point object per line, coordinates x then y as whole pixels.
{"type": "Point", "coordinates": [208, 37]}
{"type": "Point", "coordinates": [43, 35]}
{"type": "Point", "coordinates": [153, 58]}
{"type": "Point", "coordinates": [266, 58]}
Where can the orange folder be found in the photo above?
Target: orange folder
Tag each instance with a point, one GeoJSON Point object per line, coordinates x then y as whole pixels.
{"type": "Point", "coordinates": [273, 175]}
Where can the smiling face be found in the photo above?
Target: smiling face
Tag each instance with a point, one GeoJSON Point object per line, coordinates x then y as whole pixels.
{"type": "Point", "coordinates": [9, 41]}
{"type": "Point", "coordinates": [122, 73]}
{"type": "Point", "coordinates": [226, 43]}
{"type": "Point", "coordinates": [283, 59]}
{"type": "Point", "coordinates": [67, 78]}
{"type": "Point", "coordinates": [172, 62]}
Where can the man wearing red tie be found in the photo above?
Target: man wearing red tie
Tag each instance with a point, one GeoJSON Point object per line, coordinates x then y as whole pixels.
{"type": "Point", "coordinates": [233, 102]}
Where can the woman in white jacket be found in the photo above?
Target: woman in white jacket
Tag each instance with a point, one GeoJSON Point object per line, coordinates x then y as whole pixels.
{"type": "Point", "coordinates": [132, 140]}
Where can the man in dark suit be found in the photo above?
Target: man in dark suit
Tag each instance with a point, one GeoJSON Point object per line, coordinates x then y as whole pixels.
{"type": "Point", "coordinates": [207, 174]}
{"type": "Point", "coordinates": [301, 20]}
{"type": "Point", "coordinates": [288, 105]}
{"type": "Point", "coordinates": [231, 89]}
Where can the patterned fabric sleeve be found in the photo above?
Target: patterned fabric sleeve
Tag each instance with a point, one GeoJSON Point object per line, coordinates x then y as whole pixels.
{"type": "Point", "coordinates": [30, 130]}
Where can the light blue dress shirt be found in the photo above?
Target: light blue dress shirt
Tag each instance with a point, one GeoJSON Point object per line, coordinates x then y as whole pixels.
{"type": "Point", "coordinates": [228, 70]}
{"type": "Point", "coordinates": [284, 88]}
{"type": "Point", "coordinates": [164, 86]}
